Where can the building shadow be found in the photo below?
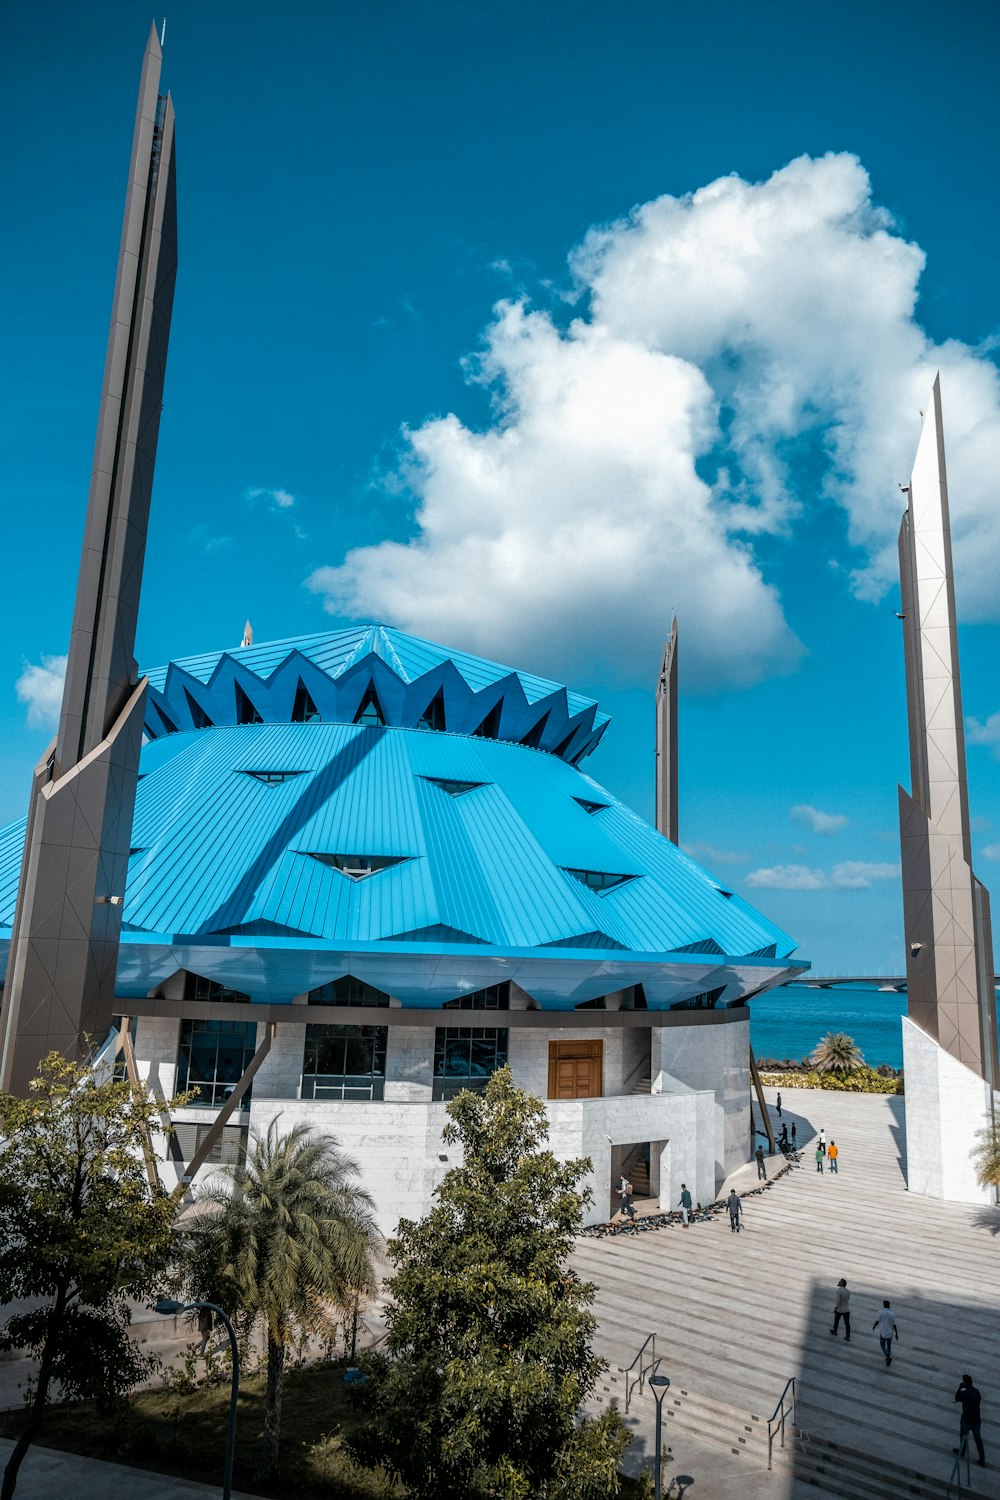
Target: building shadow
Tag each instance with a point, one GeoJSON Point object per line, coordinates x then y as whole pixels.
{"type": "Point", "coordinates": [904, 1415]}
{"type": "Point", "coordinates": [897, 1108]}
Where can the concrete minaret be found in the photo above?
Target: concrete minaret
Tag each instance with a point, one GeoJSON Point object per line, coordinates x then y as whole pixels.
{"type": "Point", "coordinates": [666, 740]}
{"type": "Point", "coordinates": [949, 1034]}
{"type": "Point", "coordinates": [64, 946]}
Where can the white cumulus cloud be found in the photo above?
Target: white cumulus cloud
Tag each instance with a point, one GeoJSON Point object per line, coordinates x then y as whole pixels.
{"type": "Point", "coordinates": [786, 878]}
{"type": "Point", "coordinates": [850, 875]}
{"type": "Point", "coordinates": [859, 874]}
{"type": "Point", "coordinates": [634, 457]}
{"type": "Point", "coordinates": [984, 732]}
{"type": "Point", "coordinates": [41, 688]}
{"type": "Point", "coordinates": [713, 856]}
{"type": "Point", "coordinates": [991, 851]}
{"type": "Point", "coordinates": [819, 822]}
{"type": "Point", "coordinates": [279, 499]}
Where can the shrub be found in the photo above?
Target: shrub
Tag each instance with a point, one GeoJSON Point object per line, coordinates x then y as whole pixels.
{"type": "Point", "coordinates": [861, 1081]}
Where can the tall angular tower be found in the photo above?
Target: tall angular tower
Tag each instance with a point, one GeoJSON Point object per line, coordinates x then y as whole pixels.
{"type": "Point", "coordinates": [949, 1033]}
{"type": "Point", "coordinates": [666, 740]}
{"type": "Point", "coordinates": [64, 947]}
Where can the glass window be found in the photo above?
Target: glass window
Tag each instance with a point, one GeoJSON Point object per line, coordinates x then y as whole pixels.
{"type": "Point", "coordinates": [598, 880]}
{"type": "Point", "coordinates": [212, 1058]}
{"type": "Point", "coordinates": [347, 991]}
{"type": "Point", "coordinates": [493, 997]}
{"type": "Point", "coordinates": [465, 1057]}
{"type": "Point", "coordinates": [370, 709]}
{"type": "Point", "coordinates": [197, 987]}
{"type": "Point", "coordinates": [344, 1062]}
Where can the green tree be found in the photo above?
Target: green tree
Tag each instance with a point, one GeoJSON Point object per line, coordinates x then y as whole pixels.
{"type": "Point", "coordinates": [80, 1229]}
{"type": "Point", "coordinates": [836, 1053]}
{"type": "Point", "coordinates": [489, 1329]}
{"type": "Point", "coordinates": [285, 1244]}
{"type": "Point", "coordinates": [986, 1155]}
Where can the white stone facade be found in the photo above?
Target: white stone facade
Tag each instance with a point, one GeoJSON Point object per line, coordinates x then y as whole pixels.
{"type": "Point", "coordinates": [695, 1117]}
{"type": "Point", "coordinates": [946, 1105]}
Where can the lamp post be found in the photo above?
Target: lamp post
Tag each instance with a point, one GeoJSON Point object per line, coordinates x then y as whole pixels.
{"type": "Point", "coordinates": [170, 1308]}
{"type": "Point", "coordinates": [659, 1385]}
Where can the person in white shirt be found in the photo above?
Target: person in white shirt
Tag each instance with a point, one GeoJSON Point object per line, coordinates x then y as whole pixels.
{"type": "Point", "coordinates": [822, 1141]}
{"type": "Point", "coordinates": [888, 1330]}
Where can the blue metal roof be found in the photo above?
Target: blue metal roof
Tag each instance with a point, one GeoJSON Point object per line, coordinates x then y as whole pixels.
{"type": "Point", "coordinates": [335, 670]}
{"type": "Point", "coordinates": [462, 861]}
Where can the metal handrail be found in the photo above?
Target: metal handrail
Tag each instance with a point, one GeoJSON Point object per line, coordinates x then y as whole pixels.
{"type": "Point", "coordinates": [644, 1062]}
{"type": "Point", "coordinates": [644, 1366]}
{"type": "Point", "coordinates": [779, 1416]}
{"type": "Point", "coordinates": [955, 1477]}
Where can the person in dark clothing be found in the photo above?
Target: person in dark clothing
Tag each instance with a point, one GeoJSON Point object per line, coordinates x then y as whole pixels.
{"type": "Point", "coordinates": [793, 1135]}
{"type": "Point", "coordinates": [783, 1138]}
{"type": "Point", "coordinates": [779, 1104]}
{"type": "Point", "coordinates": [842, 1309]}
{"type": "Point", "coordinates": [971, 1416]}
{"type": "Point", "coordinates": [735, 1208]}
{"type": "Point", "coordinates": [761, 1169]}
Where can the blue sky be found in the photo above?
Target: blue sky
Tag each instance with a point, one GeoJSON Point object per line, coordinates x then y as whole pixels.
{"type": "Point", "coordinates": [521, 325]}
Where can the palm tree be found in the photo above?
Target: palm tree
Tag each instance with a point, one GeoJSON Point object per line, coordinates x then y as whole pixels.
{"type": "Point", "coordinates": [836, 1053]}
{"type": "Point", "coordinates": [986, 1155]}
{"type": "Point", "coordinates": [287, 1242]}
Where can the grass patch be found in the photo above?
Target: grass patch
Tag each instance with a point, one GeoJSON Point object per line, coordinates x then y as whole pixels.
{"type": "Point", "coordinates": [184, 1435]}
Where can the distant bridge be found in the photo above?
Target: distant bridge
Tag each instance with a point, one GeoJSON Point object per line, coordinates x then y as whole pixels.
{"type": "Point", "coordinates": [880, 981]}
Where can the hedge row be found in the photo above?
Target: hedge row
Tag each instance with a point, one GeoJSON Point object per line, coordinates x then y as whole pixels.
{"type": "Point", "coordinates": [860, 1081]}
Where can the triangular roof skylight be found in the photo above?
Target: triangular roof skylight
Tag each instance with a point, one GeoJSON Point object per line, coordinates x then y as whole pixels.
{"type": "Point", "coordinates": [599, 880]}
{"type": "Point", "coordinates": [452, 787]}
{"type": "Point", "coordinates": [272, 778]}
{"type": "Point", "coordinates": [357, 866]}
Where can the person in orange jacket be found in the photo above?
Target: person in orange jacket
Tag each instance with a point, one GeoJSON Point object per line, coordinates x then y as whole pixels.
{"type": "Point", "coordinates": [833, 1151]}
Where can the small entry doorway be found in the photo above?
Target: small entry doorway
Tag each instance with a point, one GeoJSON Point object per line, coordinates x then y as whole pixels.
{"type": "Point", "coordinates": [576, 1069]}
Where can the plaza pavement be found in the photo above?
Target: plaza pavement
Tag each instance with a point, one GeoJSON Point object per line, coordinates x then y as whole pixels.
{"type": "Point", "coordinates": [735, 1316]}
{"type": "Point", "coordinates": [49, 1475]}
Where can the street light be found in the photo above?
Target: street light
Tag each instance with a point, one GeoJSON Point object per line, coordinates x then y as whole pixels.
{"type": "Point", "coordinates": [170, 1308]}
{"type": "Point", "coordinates": [660, 1385]}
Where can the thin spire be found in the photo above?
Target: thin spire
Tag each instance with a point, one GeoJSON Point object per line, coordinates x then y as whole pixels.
{"type": "Point", "coordinates": [247, 635]}
{"type": "Point", "coordinates": [666, 740]}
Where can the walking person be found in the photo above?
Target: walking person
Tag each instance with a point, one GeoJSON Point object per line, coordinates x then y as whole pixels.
{"type": "Point", "coordinates": [783, 1138]}
{"type": "Point", "coordinates": [842, 1309]}
{"type": "Point", "coordinates": [888, 1330]}
{"type": "Point", "coordinates": [832, 1153]}
{"type": "Point", "coordinates": [761, 1169]}
{"type": "Point", "coordinates": [971, 1417]}
{"type": "Point", "coordinates": [794, 1144]}
{"type": "Point", "coordinates": [206, 1322]}
{"type": "Point", "coordinates": [625, 1193]}
{"type": "Point", "coordinates": [822, 1141]}
{"type": "Point", "coordinates": [779, 1104]}
{"type": "Point", "coordinates": [819, 1158]}
{"type": "Point", "coordinates": [735, 1207]}
{"type": "Point", "coordinates": [685, 1203]}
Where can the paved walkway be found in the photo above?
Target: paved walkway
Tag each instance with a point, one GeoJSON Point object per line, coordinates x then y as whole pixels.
{"type": "Point", "coordinates": [737, 1315]}
{"type": "Point", "coordinates": [49, 1475]}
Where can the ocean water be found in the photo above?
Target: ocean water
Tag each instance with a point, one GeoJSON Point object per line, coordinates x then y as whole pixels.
{"type": "Point", "coordinates": [789, 1022]}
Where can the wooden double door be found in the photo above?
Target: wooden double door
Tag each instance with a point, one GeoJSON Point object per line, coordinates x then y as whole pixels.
{"type": "Point", "coordinates": [576, 1069]}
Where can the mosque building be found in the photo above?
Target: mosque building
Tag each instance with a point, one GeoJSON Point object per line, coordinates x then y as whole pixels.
{"type": "Point", "coordinates": [366, 871]}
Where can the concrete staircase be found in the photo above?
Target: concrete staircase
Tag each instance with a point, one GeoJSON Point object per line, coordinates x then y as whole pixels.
{"type": "Point", "coordinates": [826, 1467]}
{"type": "Point", "coordinates": [643, 1085]}
{"type": "Point", "coordinates": [735, 1316]}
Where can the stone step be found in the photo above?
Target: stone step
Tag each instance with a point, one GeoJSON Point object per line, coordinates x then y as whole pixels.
{"type": "Point", "coordinates": [833, 1468]}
